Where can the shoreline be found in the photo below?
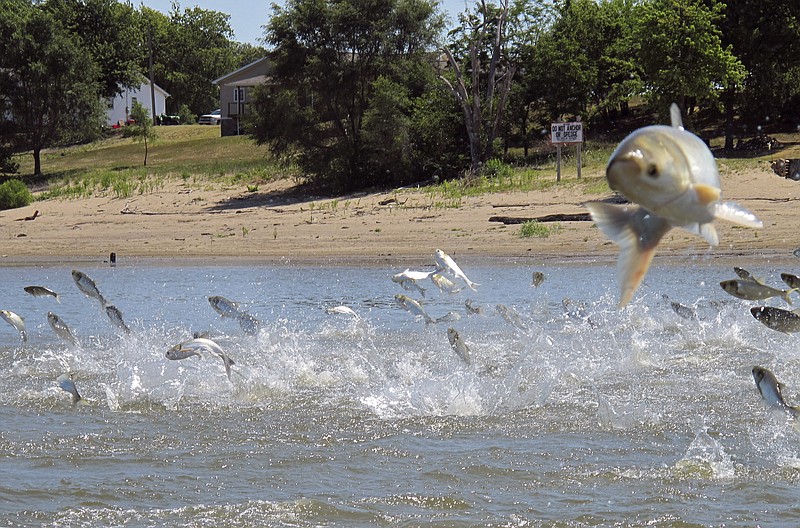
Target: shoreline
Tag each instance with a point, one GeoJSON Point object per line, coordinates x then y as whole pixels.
{"type": "Point", "coordinates": [182, 223]}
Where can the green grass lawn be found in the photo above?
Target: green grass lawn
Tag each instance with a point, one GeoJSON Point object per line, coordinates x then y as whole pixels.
{"type": "Point", "coordinates": [199, 156]}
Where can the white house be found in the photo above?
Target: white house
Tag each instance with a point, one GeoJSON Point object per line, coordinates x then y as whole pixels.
{"type": "Point", "coordinates": [120, 108]}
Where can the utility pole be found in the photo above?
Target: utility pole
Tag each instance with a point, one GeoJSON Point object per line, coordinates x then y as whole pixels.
{"type": "Point", "coordinates": [152, 84]}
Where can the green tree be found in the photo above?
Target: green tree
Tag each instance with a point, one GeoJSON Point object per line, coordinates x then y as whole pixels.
{"type": "Point", "coordinates": [49, 81]}
{"type": "Point", "coordinates": [192, 50]}
{"type": "Point", "coordinates": [341, 66]}
{"type": "Point", "coordinates": [765, 36]}
{"type": "Point", "coordinates": [107, 30]}
{"type": "Point", "coordinates": [142, 130]}
{"type": "Point", "coordinates": [682, 55]}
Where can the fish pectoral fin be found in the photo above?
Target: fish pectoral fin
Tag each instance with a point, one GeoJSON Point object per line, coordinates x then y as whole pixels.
{"type": "Point", "coordinates": [706, 194]}
{"type": "Point", "coordinates": [637, 232]}
{"type": "Point", "coordinates": [709, 233]}
{"type": "Point", "coordinates": [736, 214]}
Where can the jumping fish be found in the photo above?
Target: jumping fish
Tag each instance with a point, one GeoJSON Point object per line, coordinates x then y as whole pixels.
{"type": "Point", "coordinates": [446, 263]}
{"type": "Point", "coordinates": [681, 309]}
{"type": "Point", "coordinates": [793, 281]}
{"type": "Point", "coordinates": [187, 348]}
{"type": "Point", "coordinates": [115, 315]}
{"type": "Point", "coordinates": [41, 291]}
{"type": "Point", "coordinates": [444, 284]}
{"type": "Point", "coordinates": [511, 316]}
{"type": "Point", "coordinates": [537, 278]}
{"type": "Point", "coordinates": [16, 321]}
{"type": "Point", "coordinates": [771, 390]}
{"type": "Point", "coordinates": [459, 346]}
{"type": "Point", "coordinates": [472, 309]}
{"type": "Point", "coordinates": [777, 319]}
{"type": "Point", "coordinates": [413, 306]}
{"type": "Point", "coordinates": [746, 275]}
{"type": "Point", "coordinates": [672, 176]}
{"type": "Point", "coordinates": [224, 307]}
{"type": "Point", "coordinates": [754, 291]}
{"type": "Point", "coordinates": [86, 285]}
{"type": "Point", "coordinates": [177, 352]}
{"type": "Point", "coordinates": [67, 383]}
{"type": "Point", "coordinates": [409, 279]}
{"type": "Point", "coordinates": [344, 310]}
{"type": "Point", "coordinates": [60, 328]}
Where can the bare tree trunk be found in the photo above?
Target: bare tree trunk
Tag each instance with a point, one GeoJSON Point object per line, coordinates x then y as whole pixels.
{"type": "Point", "coordinates": [483, 111]}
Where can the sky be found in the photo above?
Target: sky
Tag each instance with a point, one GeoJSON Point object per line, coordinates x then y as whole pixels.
{"type": "Point", "coordinates": [247, 16]}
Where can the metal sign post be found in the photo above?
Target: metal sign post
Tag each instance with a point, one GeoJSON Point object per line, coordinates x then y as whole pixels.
{"type": "Point", "coordinates": [561, 133]}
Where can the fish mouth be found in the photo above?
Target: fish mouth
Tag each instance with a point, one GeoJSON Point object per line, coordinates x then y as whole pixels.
{"type": "Point", "coordinates": [625, 167]}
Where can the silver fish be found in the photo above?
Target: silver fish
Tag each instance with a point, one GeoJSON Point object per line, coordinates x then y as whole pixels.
{"type": "Point", "coordinates": [754, 291]}
{"type": "Point", "coordinates": [746, 275]}
{"type": "Point", "coordinates": [16, 321]}
{"type": "Point", "coordinates": [449, 317]}
{"type": "Point", "coordinates": [177, 352]}
{"type": "Point", "coordinates": [115, 315]}
{"type": "Point", "coordinates": [672, 177]}
{"type": "Point", "coordinates": [345, 310]}
{"type": "Point", "coordinates": [60, 328]}
{"type": "Point", "coordinates": [681, 309]}
{"type": "Point", "coordinates": [413, 306]}
{"type": "Point", "coordinates": [41, 291]}
{"type": "Point", "coordinates": [777, 318]}
{"type": "Point", "coordinates": [198, 344]}
{"type": "Point", "coordinates": [473, 309]}
{"type": "Point", "coordinates": [444, 284]}
{"type": "Point", "coordinates": [409, 280]}
{"type": "Point", "coordinates": [67, 383]}
{"type": "Point", "coordinates": [86, 285]}
{"type": "Point", "coordinates": [511, 316]}
{"type": "Point", "coordinates": [224, 307]}
{"type": "Point", "coordinates": [771, 390]}
{"type": "Point", "coordinates": [537, 278]}
{"type": "Point", "coordinates": [793, 281]}
{"type": "Point", "coordinates": [446, 263]}
{"type": "Point", "coordinates": [459, 346]}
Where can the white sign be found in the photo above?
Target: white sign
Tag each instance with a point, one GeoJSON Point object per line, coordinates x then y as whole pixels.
{"type": "Point", "coordinates": [566, 132]}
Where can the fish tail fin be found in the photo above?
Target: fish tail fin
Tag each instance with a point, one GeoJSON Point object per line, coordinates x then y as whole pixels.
{"type": "Point", "coordinates": [58, 298]}
{"type": "Point", "coordinates": [736, 214]}
{"type": "Point", "coordinates": [785, 295]}
{"type": "Point", "coordinates": [637, 232]}
{"type": "Point", "coordinates": [472, 285]}
{"type": "Point", "coordinates": [675, 116]}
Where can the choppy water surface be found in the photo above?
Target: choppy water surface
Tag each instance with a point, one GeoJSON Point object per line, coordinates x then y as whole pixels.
{"type": "Point", "coordinates": [586, 416]}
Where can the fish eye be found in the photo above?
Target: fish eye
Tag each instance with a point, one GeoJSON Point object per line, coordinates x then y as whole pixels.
{"type": "Point", "coordinates": [652, 170]}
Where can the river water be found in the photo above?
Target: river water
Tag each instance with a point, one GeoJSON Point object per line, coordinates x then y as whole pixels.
{"type": "Point", "coordinates": [584, 415]}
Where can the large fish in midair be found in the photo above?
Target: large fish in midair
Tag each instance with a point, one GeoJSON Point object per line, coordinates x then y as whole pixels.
{"type": "Point", "coordinates": [671, 177]}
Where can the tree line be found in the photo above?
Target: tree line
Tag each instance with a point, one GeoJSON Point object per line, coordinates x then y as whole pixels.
{"type": "Point", "coordinates": [377, 92]}
{"type": "Point", "coordinates": [61, 61]}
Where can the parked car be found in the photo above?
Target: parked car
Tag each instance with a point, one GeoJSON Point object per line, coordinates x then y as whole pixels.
{"type": "Point", "coordinates": [210, 119]}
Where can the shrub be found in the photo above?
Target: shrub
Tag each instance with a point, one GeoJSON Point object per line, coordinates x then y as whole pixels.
{"type": "Point", "coordinates": [14, 193]}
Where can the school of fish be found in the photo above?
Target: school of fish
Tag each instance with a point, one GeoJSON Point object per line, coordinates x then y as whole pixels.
{"type": "Point", "coordinates": [668, 174]}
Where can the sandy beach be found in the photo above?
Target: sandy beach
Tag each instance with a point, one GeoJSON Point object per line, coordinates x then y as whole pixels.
{"type": "Point", "coordinates": [187, 221]}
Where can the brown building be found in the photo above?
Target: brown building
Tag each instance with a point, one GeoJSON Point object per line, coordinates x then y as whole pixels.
{"type": "Point", "coordinates": [234, 93]}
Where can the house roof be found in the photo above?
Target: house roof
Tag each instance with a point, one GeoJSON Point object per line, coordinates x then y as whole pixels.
{"type": "Point", "coordinates": [250, 75]}
{"type": "Point", "coordinates": [146, 81]}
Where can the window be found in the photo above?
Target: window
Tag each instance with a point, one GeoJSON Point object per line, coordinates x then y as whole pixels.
{"type": "Point", "coordinates": [238, 95]}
